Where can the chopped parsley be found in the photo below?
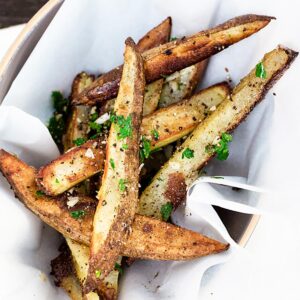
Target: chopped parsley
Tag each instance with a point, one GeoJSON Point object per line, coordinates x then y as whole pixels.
{"type": "Point", "coordinates": [98, 273]}
{"type": "Point", "coordinates": [79, 141]}
{"type": "Point", "coordinates": [260, 71]}
{"type": "Point", "coordinates": [221, 149]}
{"type": "Point", "coordinates": [94, 117]}
{"type": "Point", "coordinates": [40, 193]}
{"type": "Point", "coordinates": [125, 146]}
{"type": "Point", "coordinates": [112, 163]}
{"type": "Point", "coordinates": [57, 123]}
{"type": "Point", "coordinates": [155, 134]}
{"type": "Point", "coordinates": [77, 214]}
{"type": "Point", "coordinates": [122, 185]}
{"type": "Point", "coordinates": [166, 211]}
{"type": "Point", "coordinates": [118, 268]}
{"type": "Point", "coordinates": [145, 148]}
{"type": "Point", "coordinates": [124, 126]}
{"type": "Point", "coordinates": [95, 126]}
{"type": "Point", "coordinates": [187, 153]}
{"type": "Point", "coordinates": [173, 38]}
{"type": "Point", "coordinates": [56, 180]}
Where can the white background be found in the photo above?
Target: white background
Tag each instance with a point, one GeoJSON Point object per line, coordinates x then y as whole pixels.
{"type": "Point", "coordinates": [270, 268]}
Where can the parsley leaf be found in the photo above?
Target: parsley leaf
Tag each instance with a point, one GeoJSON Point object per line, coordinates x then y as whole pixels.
{"type": "Point", "coordinates": [56, 180]}
{"type": "Point", "coordinates": [260, 71]}
{"type": "Point", "coordinates": [118, 268]}
{"type": "Point", "coordinates": [39, 193]}
{"type": "Point", "coordinates": [187, 153]}
{"type": "Point", "coordinates": [80, 141]}
{"type": "Point", "coordinates": [94, 117]}
{"type": "Point", "coordinates": [76, 214]}
{"type": "Point", "coordinates": [122, 185]}
{"type": "Point", "coordinates": [221, 149]}
{"type": "Point", "coordinates": [146, 149]}
{"type": "Point", "coordinates": [60, 103]}
{"type": "Point", "coordinates": [95, 126]}
{"type": "Point", "coordinates": [166, 211]}
{"type": "Point", "coordinates": [124, 125]}
{"type": "Point", "coordinates": [98, 273]}
{"type": "Point", "coordinates": [112, 163]}
{"type": "Point", "coordinates": [155, 134]}
{"type": "Point", "coordinates": [125, 146]}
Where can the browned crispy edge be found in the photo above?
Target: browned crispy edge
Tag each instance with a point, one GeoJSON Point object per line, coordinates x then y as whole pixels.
{"type": "Point", "coordinates": [104, 257]}
{"type": "Point", "coordinates": [170, 57]}
{"type": "Point", "coordinates": [156, 36]}
{"type": "Point", "coordinates": [149, 238]}
{"type": "Point", "coordinates": [76, 83]}
{"type": "Point", "coordinates": [45, 173]}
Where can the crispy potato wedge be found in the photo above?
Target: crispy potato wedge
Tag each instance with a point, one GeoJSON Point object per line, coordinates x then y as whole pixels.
{"type": "Point", "coordinates": [164, 241]}
{"type": "Point", "coordinates": [174, 122]}
{"type": "Point", "coordinates": [77, 124]}
{"type": "Point", "coordinates": [71, 168]}
{"type": "Point", "coordinates": [156, 36]}
{"type": "Point", "coordinates": [190, 112]}
{"type": "Point", "coordinates": [108, 289]}
{"type": "Point", "coordinates": [62, 270]}
{"type": "Point", "coordinates": [118, 195]}
{"type": "Point", "coordinates": [177, 55]}
{"type": "Point", "coordinates": [171, 182]}
{"type": "Point", "coordinates": [181, 84]}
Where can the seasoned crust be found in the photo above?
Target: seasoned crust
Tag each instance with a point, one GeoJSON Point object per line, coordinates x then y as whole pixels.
{"type": "Point", "coordinates": [54, 213]}
{"type": "Point", "coordinates": [177, 55]}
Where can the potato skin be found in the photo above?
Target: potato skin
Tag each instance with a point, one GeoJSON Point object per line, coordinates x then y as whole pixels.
{"type": "Point", "coordinates": [177, 55]}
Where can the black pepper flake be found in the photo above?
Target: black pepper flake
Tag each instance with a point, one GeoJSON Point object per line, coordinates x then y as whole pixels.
{"type": "Point", "coordinates": [168, 52]}
{"type": "Point", "coordinates": [194, 119]}
{"type": "Point", "coordinates": [104, 202]}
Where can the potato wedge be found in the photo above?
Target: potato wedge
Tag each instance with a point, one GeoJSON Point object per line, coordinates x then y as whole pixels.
{"type": "Point", "coordinates": [175, 243]}
{"type": "Point", "coordinates": [190, 112]}
{"type": "Point", "coordinates": [108, 289]}
{"type": "Point", "coordinates": [71, 168]}
{"type": "Point", "coordinates": [62, 270]}
{"type": "Point", "coordinates": [171, 182]}
{"type": "Point", "coordinates": [77, 124]}
{"type": "Point", "coordinates": [181, 84]}
{"type": "Point", "coordinates": [177, 55]}
{"type": "Point", "coordinates": [118, 195]}
{"type": "Point", "coordinates": [174, 122]}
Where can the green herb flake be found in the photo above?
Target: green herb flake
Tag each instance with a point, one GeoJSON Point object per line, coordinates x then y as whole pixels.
{"type": "Point", "coordinates": [56, 180]}
{"type": "Point", "coordinates": [125, 146]}
{"type": "Point", "coordinates": [122, 185]}
{"type": "Point", "coordinates": [118, 268]}
{"type": "Point", "coordinates": [112, 163]}
{"type": "Point", "coordinates": [94, 117]}
{"type": "Point", "coordinates": [155, 134]}
{"type": "Point", "coordinates": [166, 211]}
{"type": "Point", "coordinates": [60, 103]}
{"type": "Point", "coordinates": [124, 126]}
{"type": "Point", "coordinates": [145, 148]}
{"type": "Point", "coordinates": [77, 214]}
{"type": "Point", "coordinates": [260, 71]}
{"type": "Point", "coordinates": [98, 273]}
{"type": "Point", "coordinates": [95, 126]}
{"type": "Point", "coordinates": [40, 193]}
{"type": "Point", "coordinates": [79, 141]}
{"type": "Point", "coordinates": [221, 149]}
{"type": "Point", "coordinates": [187, 153]}
{"type": "Point", "coordinates": [173, 38]}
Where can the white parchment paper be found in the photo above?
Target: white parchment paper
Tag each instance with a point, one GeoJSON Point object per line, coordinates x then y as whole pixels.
{"type": "Point", "coordinates": [89, 35]}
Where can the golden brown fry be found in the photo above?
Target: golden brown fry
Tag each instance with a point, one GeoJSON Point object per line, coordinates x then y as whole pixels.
{"type": "Point", "coordinates": [164, 241]}
{"type": "Point", "coordinates": [181, 84]}
{"type": "Point", "coordinates": [177, 55]}
{"type": "Point", "coordinates": [118, 195]}
{"type": "Point", "coordinates": [71, 168]}
{"type": "Point", "coordinates": [156, 36]}
{"type": "Point", "coordinates": [170, 183]}
{"type": "Point", "coordinates": [77, 123]}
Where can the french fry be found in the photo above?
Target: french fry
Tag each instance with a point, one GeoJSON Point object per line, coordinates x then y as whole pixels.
{"type": "Point", "coordinates": [170, 183]}
{"type": "Point", "coordinates": [118, 195]}
{"type": "Point", "coordinates": [181, 84]}
{"type": "Point", "coordinates": [108, 289]}
{"type": "Point", "coordinates": [71, 168]}
{"type": "Point", "coordinates": [177, 55]}
{"type": "Point", "coordinates": [78, 121]}
{"type": "Point", "coordinates": [175, 243]}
